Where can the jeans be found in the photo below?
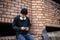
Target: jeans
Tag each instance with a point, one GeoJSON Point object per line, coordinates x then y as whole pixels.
{"type": "Point", "coordinates": [24, 37]}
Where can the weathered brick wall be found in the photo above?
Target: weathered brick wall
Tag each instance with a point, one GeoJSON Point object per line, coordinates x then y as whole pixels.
{"type": "Point", "coordinates": [37, 18]}
{"type": "Point", "coordinates": [42, 13]}
{"type": "Point", "coordinates": [10, 8]}
{"type": "Point", "coordinates": [51, 13]}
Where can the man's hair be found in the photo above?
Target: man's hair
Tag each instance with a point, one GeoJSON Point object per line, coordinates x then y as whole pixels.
{"type": "Point", "coordinates": [24, 11]}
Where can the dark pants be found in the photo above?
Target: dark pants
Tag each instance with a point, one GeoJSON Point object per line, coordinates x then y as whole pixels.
{"type": "Point", "coordinates": [24, 37]}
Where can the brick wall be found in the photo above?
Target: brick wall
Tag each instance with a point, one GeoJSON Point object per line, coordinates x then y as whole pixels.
{"type": "Point", "coordinates": [51, 13]}
{"type": "Point", "coordinates": [10, 8]}
{"type": "Point", "coordinates": [37, 18]}
{"type": "Point", "coordinates": [42, 13]}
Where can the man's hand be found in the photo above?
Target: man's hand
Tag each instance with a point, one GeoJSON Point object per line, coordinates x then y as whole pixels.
{"type": "Point", "coordinates": [22, 28]}
{"type": "Point", "coordinates": [25, 28]}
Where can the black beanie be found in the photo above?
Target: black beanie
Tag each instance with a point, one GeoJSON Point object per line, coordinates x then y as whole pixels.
{"type": "Point", "coordinates": [24, 11]}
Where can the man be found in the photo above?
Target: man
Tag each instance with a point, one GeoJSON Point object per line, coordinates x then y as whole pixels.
{"type": "Point", "coordinates": [21, 25]}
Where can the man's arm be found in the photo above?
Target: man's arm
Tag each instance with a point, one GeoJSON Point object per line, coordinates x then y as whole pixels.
{"type": "Point", "coordinates": [29, 25]}
{"type": "Point", "coordinates": [14, 24]}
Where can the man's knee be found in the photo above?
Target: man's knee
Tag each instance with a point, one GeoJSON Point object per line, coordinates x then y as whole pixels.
{"type": "Point", "coordinates": [20, 37]}
{"type": "Point", "coordinates": [29, 37]}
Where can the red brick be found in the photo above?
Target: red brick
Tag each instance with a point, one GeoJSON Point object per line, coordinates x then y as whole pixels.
{"type": "Point", "coordinates": [6, 20]}
{"type": "Point", "coordinates": [10, 4]}
{"type": "Point", "coordinates": [1, 12]}
{"type": "Point", "coordinates": [10, 10]}
{"type": "Point", "coordinates": [2, 19]}
{"type": "Point", "coordinates": [14, 2]}
{"type": "Point", "coordinates": [7, 13]}
{"type": "Point", "coordinates": [13, 13]}
{"type": "Point", "coordinates": [1, 6]}
{"type": "Point", "coordinates": [9, 16]}
{"type": "Point", "coordinates": [14, 8]}
{"type": "Point", "coordinates": [18, 6]}
{"type": "Point", "coordinates": [4, 15]}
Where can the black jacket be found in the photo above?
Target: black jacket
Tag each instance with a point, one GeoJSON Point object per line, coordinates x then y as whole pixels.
{"type": "Point", "coordinates": [17, 24]}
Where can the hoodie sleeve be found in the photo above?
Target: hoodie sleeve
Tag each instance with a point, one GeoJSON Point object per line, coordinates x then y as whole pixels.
{"type": "Point", "coordinates": [29, 23]}
{"type": "Point", "coordinates": [14, 24]}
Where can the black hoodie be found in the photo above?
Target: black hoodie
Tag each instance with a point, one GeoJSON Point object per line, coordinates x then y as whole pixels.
{"type": "Point", "coordinates": [18, 23]}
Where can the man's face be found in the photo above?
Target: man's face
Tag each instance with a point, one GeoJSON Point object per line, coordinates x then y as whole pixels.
{"type": "Point", "coordinates": [23, 15]}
